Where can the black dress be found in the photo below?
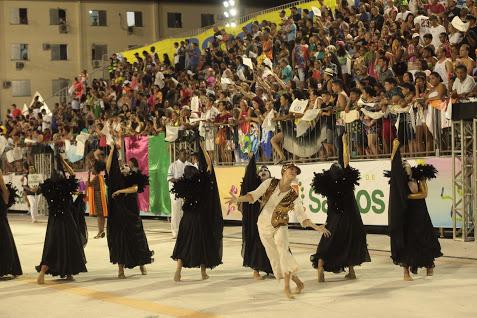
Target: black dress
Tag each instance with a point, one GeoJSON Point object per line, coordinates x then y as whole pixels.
{"type": "Point", "coordinates": [127, 241]}
{"type": "Point", "coordinates": [414, 242]}
{"type": "Point", "coordinates": [199, 241]}
{"type": "Point", "coordinates": [9, 261]}
{"type": "Point", "coordinates": [63, 250]}
{"type": "Point", "coordinates": [347, 244]}
{"type": "Point", "coordinates": [253, 252]}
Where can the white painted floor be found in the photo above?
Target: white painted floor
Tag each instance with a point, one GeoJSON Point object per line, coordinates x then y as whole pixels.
{"type": "Point", "coordinates": [230, 292]}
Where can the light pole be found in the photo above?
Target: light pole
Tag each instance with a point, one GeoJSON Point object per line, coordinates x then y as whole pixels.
{"type": "Point", "coordinates": [231, 12]}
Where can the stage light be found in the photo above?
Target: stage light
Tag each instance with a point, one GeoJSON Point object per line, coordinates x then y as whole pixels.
{"type": "Point", "coordinates": [232, 3]}
{"type": "Point", "coordinates": [226, 4]}
{"type": "Point", "coordinates": [226, 14]}
{"type": "Point", "coordinates": [233, 12]}
{"type": "Point", "coordinates": [233, 24]}
{"type": "Point", "coordinates": [227, 25]}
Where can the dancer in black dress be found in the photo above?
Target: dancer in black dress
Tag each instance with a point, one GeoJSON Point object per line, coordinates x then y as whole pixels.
{"type": "Point", "coordinates": [199, 241]}
{"type": "Point", "coordinates": [414, 243]}
{"type": "Point", "coordinates": [9, 261]}
{"type": "Point", "coordinates": [346, 247]}
{"type": "Point", "coordinates": [253, 251]}
{"type": "Point", "coordinates": [127, 241]}
{"type": "Point", "coordinates": [63, 250]}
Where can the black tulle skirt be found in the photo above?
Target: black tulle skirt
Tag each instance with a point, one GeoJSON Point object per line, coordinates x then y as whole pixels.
{"type": "Point", "coordinates": [127, 240]}
{"type": "Point", "coordinates": [421, 246]}
{"type": "Point", "coordinates": [195, 244]}
{"type": "Point", "coordinates": [9, 261]}
{"type": "Point", "coordinates": [347, 244]}
{"type": "Point", "coordinates": [253, 251]}
{"type": "Point", "coordinates": [63, 250]}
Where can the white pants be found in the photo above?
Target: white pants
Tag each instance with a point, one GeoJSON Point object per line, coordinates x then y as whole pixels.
{"type": "Point", "coordinates": [33, 200]}
{"type": "Point", "coordinates": [176, 214]}
{"type": "Point", "coordinates": [276, 245]}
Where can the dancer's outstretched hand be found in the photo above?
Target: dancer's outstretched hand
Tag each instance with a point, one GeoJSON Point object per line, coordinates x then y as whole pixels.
{"type": "Point", "coordinates": [323, 229]}
{"type": "Point", "coordinates": [115, 194]}
{"type": "Point", "coordinates": [231, 200]}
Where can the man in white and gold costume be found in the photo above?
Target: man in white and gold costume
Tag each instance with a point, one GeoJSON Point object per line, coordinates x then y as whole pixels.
{"type": "Point", "coordinates": [277, 199]}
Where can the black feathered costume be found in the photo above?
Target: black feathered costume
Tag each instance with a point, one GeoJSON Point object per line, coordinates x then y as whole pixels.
{"type": "Point", "coordinates": [127, 241]}
{"type": "Point", "coordinates": [63, 250]}
{"type": "Point", "coordinates": [253, 251]}
{"type": "Point", "coordinates": [9, 260]}
{"type": "Point", "coordinates": [414, 242]}
{"type": "Point", "coordinates": [199, 241]}
{"type": "Point", "coordinates": [347, 244]}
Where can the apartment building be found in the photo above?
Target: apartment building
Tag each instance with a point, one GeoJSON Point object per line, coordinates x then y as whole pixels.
{"type": "Point", "coordinates": [46, 43]}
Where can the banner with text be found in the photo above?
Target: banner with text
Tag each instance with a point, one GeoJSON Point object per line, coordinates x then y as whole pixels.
{"type": "Point", "coordinates": [372, 194]}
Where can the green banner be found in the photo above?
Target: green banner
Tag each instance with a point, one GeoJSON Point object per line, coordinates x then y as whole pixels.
{"type": "Point", "coordinates": [159, 200]}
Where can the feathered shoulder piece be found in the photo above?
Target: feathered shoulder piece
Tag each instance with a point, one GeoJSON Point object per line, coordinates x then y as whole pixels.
{"type": "Point", "coordinates": [55, 186]}
{"type": "Point", "coordinates": [333, 182]}
{"type": "Point", "coordinates": [13, 196]}
{"type": "Point", "coordinates": [137, 178]}
{"type": "Point", "coordinates": [421, 172]}
{"type": "Point", "coordinates": [387, 174]}
{"type": "Point", "coordinates": [190, 188]}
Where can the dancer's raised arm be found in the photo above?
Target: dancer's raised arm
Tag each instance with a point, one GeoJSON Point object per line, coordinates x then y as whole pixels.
{"type": "Point", "coordinates": [3, 187]}
{"type": "Point", "coordinates": [207, 157]}
{"type": "Point", "coordinates": [395, 148]}
{"type": "Point", "coordinates": [67, 167]}
{"type": "Point", "coordinates": [110, 157]}
{"type": "Point", "coordinates": [345, 151]}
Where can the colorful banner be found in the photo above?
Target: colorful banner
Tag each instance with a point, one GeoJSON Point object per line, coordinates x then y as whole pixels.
{"type": "Point", "coordinates": [159, 159]}
{"type": "Point", "coordinates": [167, 46]}
{"type": "Point", "coordinates": [137, 147]}
{"type": "Point", "coordinates": [152, 154]}
{"type": "Point", "coordinates": [372, 194]}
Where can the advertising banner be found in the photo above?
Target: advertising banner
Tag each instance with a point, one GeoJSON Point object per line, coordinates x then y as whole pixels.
{"type": "Point", "coordinates": [372, 194]}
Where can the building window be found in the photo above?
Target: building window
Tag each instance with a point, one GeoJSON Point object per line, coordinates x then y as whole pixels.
{"type": "Point", "coordinates": [20, 52]}
{"type": "Point", "coordinates": [21, 88]}
{"type": "Point", "coordinates": [174, 20]}
{"type": "Point", "coordinates": [134, 18]}
{"type": "Point", "coordinates": [59, 52]}
{"type": "Point", "coordinates": [207, 20]}
{"type": "Point", "coordinates": [57, 16]}
{"type": "Point", "coordinates": [60, 86]}
{"type": "Point", "coordinates": [19, 16]}
{"type": "Point", "coordinates": [97, 18]}
{"type": "Point", "coordinates": [98, 51]}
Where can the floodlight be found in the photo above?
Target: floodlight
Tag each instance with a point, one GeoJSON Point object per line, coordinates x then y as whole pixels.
{"type": "Point", "coordinates": [226, 14]}
{"type": "Point", "coordinates": [233, 12]}
{"type": "Point", "coordinates": [226, 4]}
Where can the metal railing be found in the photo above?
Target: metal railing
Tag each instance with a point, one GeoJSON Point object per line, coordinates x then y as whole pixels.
{"type": "Point", "coordinates": [232, 142]}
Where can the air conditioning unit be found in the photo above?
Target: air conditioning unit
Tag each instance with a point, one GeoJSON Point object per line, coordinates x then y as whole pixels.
{"type": "Point", "coordinates": [20, 65]}
{"type": "Point", "coordinates": [130, 29]}
{"type": "Point", "coordinates": [7, 84]}
{"type": "Point", "coordinates": [96, 64]}
{"type": "Point", "coordinates": [45, 46]}
{"type": "Point", "coordinates": [63, 28]}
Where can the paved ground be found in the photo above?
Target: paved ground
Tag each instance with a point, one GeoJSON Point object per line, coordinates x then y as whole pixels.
{"type": "Point", "coordinates": [230, 292]}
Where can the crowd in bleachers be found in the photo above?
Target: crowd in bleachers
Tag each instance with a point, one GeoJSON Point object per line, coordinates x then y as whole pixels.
{"type": "Point", "coordinates": [377, 69]}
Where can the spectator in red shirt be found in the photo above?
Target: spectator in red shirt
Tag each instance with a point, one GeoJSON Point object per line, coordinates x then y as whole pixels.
{"type": "Point", "coordinates": [15, 112]}
{"type": "Point", "coordinates": [435, 8]}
